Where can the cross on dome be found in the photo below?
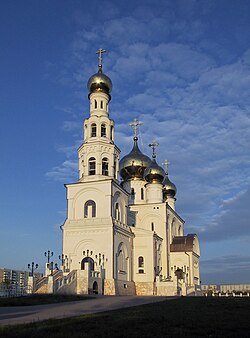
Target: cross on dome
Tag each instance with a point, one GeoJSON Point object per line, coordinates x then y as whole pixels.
{"type": "Point", "coordinates": [166, 165]}
{"type": "Point", "coordinates": [153, 146]}
{"type": "Point", "coordinates": [100, 51]}
{"type": "Point", "coordinates": [135, 125]}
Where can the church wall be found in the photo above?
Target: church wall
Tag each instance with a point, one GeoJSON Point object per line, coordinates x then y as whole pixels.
{"type": "Point", "coordinates": [145, 288]}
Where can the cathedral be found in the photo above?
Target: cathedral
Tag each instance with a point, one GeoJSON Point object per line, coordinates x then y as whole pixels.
{"type": "Point", "coordinates": [122, 234]}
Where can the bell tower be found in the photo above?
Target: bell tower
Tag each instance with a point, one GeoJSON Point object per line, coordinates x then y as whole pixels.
{"type": "Point", "coordinates": [98, 155]}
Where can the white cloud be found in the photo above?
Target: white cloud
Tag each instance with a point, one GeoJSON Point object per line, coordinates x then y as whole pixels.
{"type": "Point", "coordinates": [66, 172]}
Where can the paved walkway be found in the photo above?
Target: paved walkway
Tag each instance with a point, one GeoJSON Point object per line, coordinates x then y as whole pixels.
{"type": "Point", "coordinates": [27, 314]}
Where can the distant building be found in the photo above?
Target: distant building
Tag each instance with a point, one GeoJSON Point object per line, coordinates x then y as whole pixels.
{"type": "Point", "coordinates": [11, 277]}
{"type": "Point", "coordinates": [214, 289]}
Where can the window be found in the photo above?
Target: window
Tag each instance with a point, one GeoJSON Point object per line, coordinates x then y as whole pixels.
{"type": "Point", "coordinates": [117, 212]}
{"type": "Point", "coordinates": [93, 130]}
{"type": "Point", "coordinates": [111, 133]}
{"type": "Point", "coordinates": [152, 226]}
{"type": "Point", "coordinates": [95, 104]}
{"type": "Point", "coordinates": [105, 166]}
{"type": "Point", "coordinates": [132, 191]}
{"type": "Point", "coordinates": [114, 168]}
{"type": "Point", "coordinates": [101, 104]}
{"type": "Point", "coordinates": [92, 166]}
{"type": "Point", "coordinates": [89, 209]}
{"type": "Point", "coordinates": [142, 194]}
{"type": "Point", "coordinates": [103, 130]}
{"type": "Point", "coordinates": [141, 264]}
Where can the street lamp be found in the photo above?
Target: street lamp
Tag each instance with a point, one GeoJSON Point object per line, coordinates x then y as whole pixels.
{"type": "Point", "coordinates": [32, 267]}
{"type": "Point", "coordinates": [48, 254]}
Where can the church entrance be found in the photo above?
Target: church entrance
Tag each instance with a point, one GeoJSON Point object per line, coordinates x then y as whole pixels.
{"type": "Point", "coordinates": [95, 288]}
{"type": "Point", "coordinates": [87, 260]}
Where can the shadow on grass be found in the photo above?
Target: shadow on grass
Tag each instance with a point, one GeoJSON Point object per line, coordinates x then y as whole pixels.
{"type": "Point", "coordinates": [183, 317]}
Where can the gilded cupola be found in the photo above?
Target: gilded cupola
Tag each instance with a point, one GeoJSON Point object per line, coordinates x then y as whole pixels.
{"type": "Point", "coordinates": [132, 165]}
{"type": "Point", "coordinates": [154, 173]}
{"type": "Point", "coordinates": [100, 82]}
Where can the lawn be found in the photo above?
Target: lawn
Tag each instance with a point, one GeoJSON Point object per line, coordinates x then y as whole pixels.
{"type": "Point", "coordinates": [40, 299]}
{"type": "Point", "coordinates": [183, 317]}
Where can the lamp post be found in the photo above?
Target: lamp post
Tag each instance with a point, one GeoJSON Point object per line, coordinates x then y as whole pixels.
{"type": "Point", "coordinates": [64, 259]}
{"type": "Point", "coordinates": [48, 254]}
{"type": "Point", "coordinates": [52, 267]}
{"type": "Point", "coordinates": [32, 267]}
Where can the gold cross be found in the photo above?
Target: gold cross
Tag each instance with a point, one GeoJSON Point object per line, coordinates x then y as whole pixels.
{"type": "Point", "coordinates": [153, 145]}
{"type": "Point", "coordinates": [166, 164]}
{"type": "Point", "coordinates": [135, 125]}
{"type": "Point", "coordinates": [100, 52]}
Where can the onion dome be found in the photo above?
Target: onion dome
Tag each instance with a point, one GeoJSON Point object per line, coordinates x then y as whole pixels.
{"type": "Point", "coordinates": [132, 166]}
{"type": "Point", "coordinates": [169, 188]}
{"type": "Point", "coordinates": [154, 173]}
{"type": "Point", "coordinates": [100, 82]}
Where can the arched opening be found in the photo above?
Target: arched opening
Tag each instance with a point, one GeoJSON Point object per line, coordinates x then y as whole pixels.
{"type": "Point", "coordinates": [103, 130]}
{"type": "Point", "coordinates": [92, 163]}
{"type": "Point", "coordinates": [95, 104]}
{"type": "Point", "coordinates": [93, 130]}
{"type": "Point", "coordinates": [88, 260]}
{"type": "Point", "coordinates": [140, 264]}
{"type": "Point", "coordinates": [101, 105]}
{"type": "Point", "coordinates": [95, 288]}
{"type": "Point", "coordinates": [111, 133]}
{"type": "Point", "coordinates": [117, 212]}
{"type": "Point", "coordinates": [89, 209]}
{"type": "Point", "coordinates": [105, 166]}
{"type": "Point", "coordinates": [142, 194]}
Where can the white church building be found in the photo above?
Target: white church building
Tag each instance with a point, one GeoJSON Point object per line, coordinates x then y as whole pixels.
{"type": "Point", "coordinates": [122, 234]}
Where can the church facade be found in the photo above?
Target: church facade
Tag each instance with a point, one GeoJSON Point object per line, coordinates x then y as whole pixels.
{"type": "Point", "coordinates": [122, 234]}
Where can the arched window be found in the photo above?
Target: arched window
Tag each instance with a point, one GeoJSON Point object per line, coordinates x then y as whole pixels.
{"type": "Point", "coordinates": [132, 191]}
{"type": "Point", "coordinates": [111, 133]}
{"type": "Point", "coordinates": [141, 264]}
{"type": "Point", "coordinates": [117, 212]}
{"type": "Point", "coordinates": [89, 209]}
{"type": "Point", "coordinates": [142, 194]}
{"type": "Point", "coordinates": [114, 168]}
{"type": "Point", "coordinates": [92, 166]}
{"type": "Point", "coordinates": [93, 130]}
{"type": "Point", "coordinates": [105, 166]}
{"type": "Point", "coordinates": [95, 104]}
{"type": "Point", "coordinates": [152, 226]}
{"type": "Point", "coordinates": [101, 104]}
{"type": "Point", "coordinates": [103, 130]}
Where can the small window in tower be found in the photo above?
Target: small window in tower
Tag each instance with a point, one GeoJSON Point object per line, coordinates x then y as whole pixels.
{"type": "Point", "coordinates": [105, 166]}
{"type": "Point", "coordinates": [92, 163]}
{"type": "Point", "coordinates": [93, 130]}
{"type": "Point", "coordinates": [133, 192]}
{"type": "Point", "coordinates": [103, 130]}
{"type": "Point", "coordinates": [89, 209]}
{"type": "Point", "coordinates": [117, 212]}
{"type": "Point", "coordinates": [152, 226]}
{"type": "Point", "coordinates": [142, 194]}
{"type": "Point", "coordinates": [101, 104]}
{"type": "Point", "coordinates": [95, 104]}
{"type": "Point", "coordinates": [114, 168]}
{"type": "Point", "coordinates": [111, 133]}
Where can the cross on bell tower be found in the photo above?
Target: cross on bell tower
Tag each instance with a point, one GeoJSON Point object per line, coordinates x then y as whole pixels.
{"type": "Point", "coordinates": [100, 51]}
{"type": "Point", "coordinates": [135, 125]}
{"type": "Point", "coordinates": [153, 146]}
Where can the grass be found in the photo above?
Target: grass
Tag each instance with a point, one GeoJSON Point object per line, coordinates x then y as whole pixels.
{"type": "Point", "coordinates": [183, 317]}
{"type": "Point", "coordinates": [40, 299]}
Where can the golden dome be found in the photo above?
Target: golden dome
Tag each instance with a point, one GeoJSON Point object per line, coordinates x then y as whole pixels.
{"type": "Point", "coordinates": [169, 188]}
{"type": "Point", "coordinates": [132, 166]}
{"type": "Point", "coordinates": [99, 82]}
{"type": "Point", "coordinates": [154, 173]}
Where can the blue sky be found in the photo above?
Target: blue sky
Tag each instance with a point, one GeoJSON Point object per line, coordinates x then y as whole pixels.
{"type": "Point", "coordinates": [181, 67]}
